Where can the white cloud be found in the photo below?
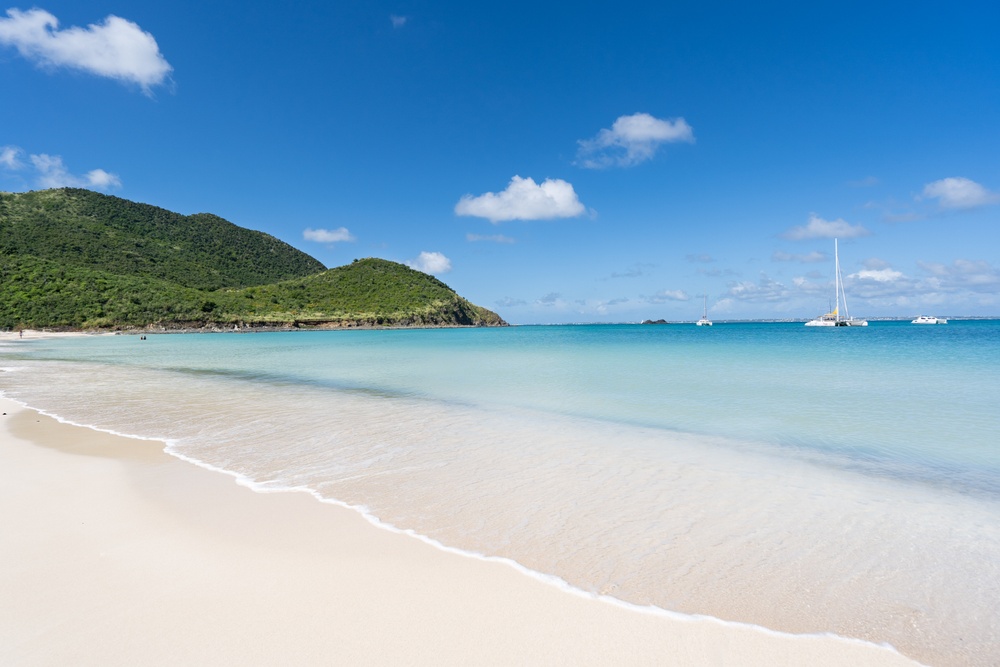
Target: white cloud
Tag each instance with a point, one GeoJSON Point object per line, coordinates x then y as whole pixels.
{"type": "Point", "coordinates": [878, 275]}
{"type": "Point", "coordinates": [975, 272]}
{"type": "Point", "coordinates": [972, 275]}
{"type": "Point", "coordinates": [339, 235]}
{"type": "Point", "coordinates": [433, 263]}
{"type": "Point", "coordinates": [603, 307]}
{"type": "Point", "coordinates": [812, 282]}
{"type": "Point", "coordinates": [117, 48]}
{"type": "Point", "coordinates": [808, 258]}
{"type": "Point", "coordinates": [102, 180]}
{"type": "Point", "coordinates": [959, 192]}
{"type": "Point", "coordinates": [723, 306]}
{"type": "Point", "coordinates": [631, 140]}
{"type": "Point", "coordinates": [818, 228]}
{"type": "Point", "coordinates": [511, 302]}
{"type": "Point", "coordinates": [765, 289]}
{"type": "Point", "coordinates": [668, 295]}
{"type": "Point", "coordinates": [52, 173]}
{"type": "Point", "coordinates": [10, 157]}
{"type": "Point", "coordinates": [524, 200]}
{"type": "Point", "coordinates": [961, 282]}
{"type": "Point", "coordinates": [397, 21]}
{"type": "Point", "coordinates": [875, 263]}
{"type": "Point", "coordinates": [493, 238]}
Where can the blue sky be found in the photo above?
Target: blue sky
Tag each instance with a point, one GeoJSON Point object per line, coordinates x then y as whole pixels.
{"type": "Point", "coordinates": [552, 161]}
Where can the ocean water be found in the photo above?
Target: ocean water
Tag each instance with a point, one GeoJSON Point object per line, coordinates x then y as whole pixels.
{"type": "Point", "coordinates": [804, 480]}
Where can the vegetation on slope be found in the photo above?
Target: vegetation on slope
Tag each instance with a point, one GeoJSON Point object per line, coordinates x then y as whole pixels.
{"type": "Point", "coordinates": [87, 229]}
{"type": "Point", "coordinates": [367, 292]}
{"type": "Point", "coordinates": [40, 293]}
{"type": "Point", "coordinates": [74, 259]}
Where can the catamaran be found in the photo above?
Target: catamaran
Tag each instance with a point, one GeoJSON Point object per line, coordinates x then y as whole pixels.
{"type": "Point", "coordinates": [927, 319]}
{"type": "Point", "coordinates": [704, 321]}
{"type": "Point", "coordinates": [834, 318]}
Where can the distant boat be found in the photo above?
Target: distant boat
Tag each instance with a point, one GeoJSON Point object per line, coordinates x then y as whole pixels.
{"type": "Point", "coordinates": [927, 319]}
{"type": "Point", "coordinates": [834, 318]}
{"type": "Point", "coordinates": [704, 321]}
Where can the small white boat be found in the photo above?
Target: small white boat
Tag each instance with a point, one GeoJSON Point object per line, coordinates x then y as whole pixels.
{"type": "Point", "coordinates": [834, 318]}
{"type": "Point", "coordinates": [704, 321]}
{"type": "Point", "coordinates": [927, 319]}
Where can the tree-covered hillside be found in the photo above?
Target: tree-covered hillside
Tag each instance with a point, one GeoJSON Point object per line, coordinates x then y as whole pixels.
{"type": "Point", "coordinates": [87, 229]}
{"type": "Point", "coordinates": [74, 259]}
{"type": "Point", "coordinates": [367, 292]}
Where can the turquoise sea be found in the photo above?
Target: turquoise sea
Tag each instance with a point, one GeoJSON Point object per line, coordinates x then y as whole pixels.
{"type": "Point", "coordinates": [800, 479]}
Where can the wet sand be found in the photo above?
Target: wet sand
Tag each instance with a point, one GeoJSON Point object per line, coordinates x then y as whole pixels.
{"type": "Point", "coordinates": [115, 553]}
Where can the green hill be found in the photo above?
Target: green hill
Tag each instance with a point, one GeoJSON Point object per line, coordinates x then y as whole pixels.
{"type": "Point", "coordinates": [368, 292]}
{"type": "Point", "coordinates": [75, 259]}
{"type": "Point", "coordinates": [86, 229]}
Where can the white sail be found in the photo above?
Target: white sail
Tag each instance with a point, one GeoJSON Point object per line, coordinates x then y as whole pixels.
{"type": "Point", "coordinates": [704, 321]}
{"type": "Point", "coordinates": [834, 318]}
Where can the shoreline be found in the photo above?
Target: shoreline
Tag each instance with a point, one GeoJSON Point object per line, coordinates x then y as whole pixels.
{"type": "Point", "coordinates": [123, 551]}
{"type": "Point", "coordinates": [247, 328]}
{"type": "Point", "coordinates": [235, 329]}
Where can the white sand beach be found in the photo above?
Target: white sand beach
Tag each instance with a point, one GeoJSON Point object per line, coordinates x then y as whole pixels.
{"type": "Point", "coordinates": [115, 553]}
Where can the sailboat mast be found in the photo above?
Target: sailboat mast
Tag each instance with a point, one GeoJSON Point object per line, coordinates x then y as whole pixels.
{"type": "Point", "coordinates": [836, 280]}
{"type": "Point", "coordinates": [843, 292]}
{"type": "Point", "coordinates": [834, 317]}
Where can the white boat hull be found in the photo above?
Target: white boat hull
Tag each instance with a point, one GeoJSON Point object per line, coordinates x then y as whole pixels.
{"type": "Point", "coordinates": [704, 321]}
{"type": "Point", "coordinates": [834, 319]}
{"type": "Point", "coordinates": [837, 323]}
